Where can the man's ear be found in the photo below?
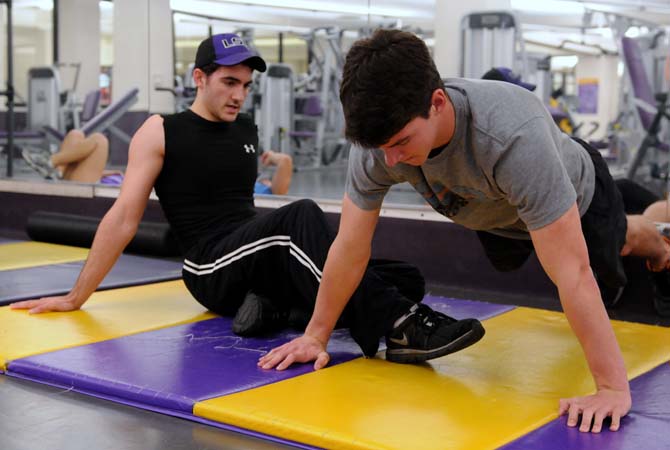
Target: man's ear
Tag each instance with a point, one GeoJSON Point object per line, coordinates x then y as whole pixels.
{"type": "Point", "coordinates": [438, 100]}
{"type": "Point", "coordinates": [199, 78]}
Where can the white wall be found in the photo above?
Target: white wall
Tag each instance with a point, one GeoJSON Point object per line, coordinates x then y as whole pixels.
{"type": "Point", "coordinates": [604, 70]}
{"type": "Point", "coordinates": [32, 47]}
{"type": "Point", "coordinates": [79, 42]}
{"type": "Point", "coordinates": [143, 53]}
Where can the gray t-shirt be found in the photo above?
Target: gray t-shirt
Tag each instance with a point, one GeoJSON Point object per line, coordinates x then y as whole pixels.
{"type": "Point", "coordinates": [508, 168]}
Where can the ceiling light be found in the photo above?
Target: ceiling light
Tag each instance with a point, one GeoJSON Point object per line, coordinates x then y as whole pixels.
{"type": "Point", "coordinates": [328, 7]}
{"type": "Point", "coordinates": [563, 62]}
{"type": "Point", "coordinates": [557, 7]}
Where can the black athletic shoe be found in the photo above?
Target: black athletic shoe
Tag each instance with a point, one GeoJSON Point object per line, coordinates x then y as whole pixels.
{"type": "Point", "coordinates": [258, 315]}
{"type": "Point", "coordinates": [424, 334]}
{"type": "Point", "coordinates": [661, 288]}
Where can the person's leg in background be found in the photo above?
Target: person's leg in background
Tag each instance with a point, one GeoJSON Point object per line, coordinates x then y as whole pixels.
{"type": "Point", "coordinates": [636, 198]}
{"type": "Point", "coordinates": [82, 158]}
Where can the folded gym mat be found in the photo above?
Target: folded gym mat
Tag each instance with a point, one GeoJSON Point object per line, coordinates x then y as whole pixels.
{"type": "Point", "coordinates": [645, 427]}
{"type": "Point", "coordinates": [17, 255]}
{"type": "Point", "coordinates": [482, 397]}
{"type": "Point", "coordinates": [56, 279]}
{"type": "Point", "coordinates": [175, 367]}
{"type": "Point", "coordinates": [108, 314]}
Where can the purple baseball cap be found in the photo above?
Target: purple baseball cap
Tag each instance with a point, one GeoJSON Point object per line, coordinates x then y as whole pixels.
{"type": "Point", "coordinates": [227, 49]}
{"type": "Point", "coordinates": [506, 74]}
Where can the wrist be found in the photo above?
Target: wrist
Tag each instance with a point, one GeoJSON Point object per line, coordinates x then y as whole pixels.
{"type": "Point", "coordinates": [76, 299]}
{"type": "Point", "coordinates": [320, 334]}
{"type": "Point", "coordinates": [621, 385]}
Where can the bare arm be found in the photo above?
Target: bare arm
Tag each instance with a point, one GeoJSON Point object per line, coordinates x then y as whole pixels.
{"type": "Point", "coordinates": [118, 226]}
{"type": "Point", "coordinates": [347, 259]}
{"type": "Point", "coordinates": [563, 254]}
{"type": "Point", "coordinates": [281, 180]}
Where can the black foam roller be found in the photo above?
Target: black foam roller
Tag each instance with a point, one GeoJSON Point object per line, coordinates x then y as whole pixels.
{"type": "Point", "coordinates": [152, 238]}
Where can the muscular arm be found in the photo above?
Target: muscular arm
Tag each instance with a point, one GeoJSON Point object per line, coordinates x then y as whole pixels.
{"type": "Point", "coordinates": [118, 226]}
{"type": "Point", "coordinates": [281, 180]}
{"type": "Point", "coordinates": [563, 254]}
{"type": "Point", "coordinates": [347, 259]}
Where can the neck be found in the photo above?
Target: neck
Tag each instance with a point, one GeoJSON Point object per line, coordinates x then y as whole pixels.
{"type": "Point", "coordinates": [447, 125]}
{"type": "Point", "coordinates": [199, 108]}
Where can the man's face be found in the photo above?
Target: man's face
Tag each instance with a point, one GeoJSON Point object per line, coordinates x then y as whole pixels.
{"type": "Point", "coordinates": [412, 144]}
{"type": "Point", "coordinates": [225, 90]}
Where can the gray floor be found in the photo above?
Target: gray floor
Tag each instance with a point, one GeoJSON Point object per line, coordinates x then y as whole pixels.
{"type": "Point", "coordinates": [21, 170]}
{"type": "Point", "coordinates": [37, 417]}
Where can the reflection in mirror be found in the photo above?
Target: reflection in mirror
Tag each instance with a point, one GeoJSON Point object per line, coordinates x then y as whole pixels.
{"type": "Point", "coordinates": [61, 80]}
{"type": "Point", "coordinates": [96, 87]}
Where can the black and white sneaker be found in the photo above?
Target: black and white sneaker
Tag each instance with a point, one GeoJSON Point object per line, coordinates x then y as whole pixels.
{"type": "Point", "coordinates": [41, 163]}
{"type": "Point", "coordinates": [424, 334]}
{"type": "Point", "coordinates": [259, 315]}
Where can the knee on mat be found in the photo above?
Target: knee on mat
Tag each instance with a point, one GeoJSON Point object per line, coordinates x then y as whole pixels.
{"type": "Point", "coordinates": [308, 206]}
{"type": "Point", "coordinates": [307, 203]}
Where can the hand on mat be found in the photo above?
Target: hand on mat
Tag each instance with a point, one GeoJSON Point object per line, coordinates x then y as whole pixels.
{"type": "Point", "coordinates": [301, 350]}
{"type": "Point", "coordinates": [47, 304]}
{"type": "Point", "coordinates": [595, 408]}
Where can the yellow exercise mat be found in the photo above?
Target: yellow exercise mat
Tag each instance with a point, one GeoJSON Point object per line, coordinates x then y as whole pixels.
{"type": "Point", "coordinates": [483, 397]}
{"type": "Point", "coordinates": [31, 254]}
{"type": "Point", "coordinates": [107, 315]}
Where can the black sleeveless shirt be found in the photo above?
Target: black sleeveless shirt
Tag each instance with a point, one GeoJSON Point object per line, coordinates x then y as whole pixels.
{"type": "Point", "coordinates": [206, 185]}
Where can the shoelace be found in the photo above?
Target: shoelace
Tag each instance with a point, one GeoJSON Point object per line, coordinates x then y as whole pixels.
{"type": "Point", "coordinates": [430, 319]}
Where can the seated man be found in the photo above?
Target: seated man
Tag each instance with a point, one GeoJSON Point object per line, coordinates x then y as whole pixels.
{"type": "Point", "coordinates": [80, 158]}
{"type": "Point", "coordinates": [257, 267]}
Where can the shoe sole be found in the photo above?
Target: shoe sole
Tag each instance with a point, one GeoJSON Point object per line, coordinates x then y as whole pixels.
{"type": "Point", "coordinates": [245, 322]}
{"type": "Point", "coordinates": [413, 356]}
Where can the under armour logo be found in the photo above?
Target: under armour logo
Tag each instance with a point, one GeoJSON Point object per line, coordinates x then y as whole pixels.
{"type": "Point", "coordinates": [249, 148]}
{"type": "Point", "coordinates": [233, 42]}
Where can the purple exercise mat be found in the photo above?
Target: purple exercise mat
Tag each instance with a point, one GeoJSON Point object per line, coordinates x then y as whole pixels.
{"type": "Point", "coordinates": [645, 427]}
{"type": "Point", "coordinates": [175, 367]}
{"type": "Point", "coordinates": [57, 279]}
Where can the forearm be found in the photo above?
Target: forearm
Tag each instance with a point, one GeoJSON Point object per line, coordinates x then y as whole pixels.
{"type": "Point", "coordinates": [341, 277]}
{"type": "Point", "coordinates": [113, 235]}
{"type": "Point", "coordinates": [586, 314]}
{"type": "Point", "coordinates": [281, 180]}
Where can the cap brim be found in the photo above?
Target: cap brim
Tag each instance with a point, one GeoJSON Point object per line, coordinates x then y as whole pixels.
{"type": "Point", "coordinates": [530, 87]}
{"type": "Point", "coordinates": [253, 61]}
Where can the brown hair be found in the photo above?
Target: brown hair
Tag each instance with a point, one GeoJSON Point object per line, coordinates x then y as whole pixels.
{"type": "Point", "coordinates": [388, 80]}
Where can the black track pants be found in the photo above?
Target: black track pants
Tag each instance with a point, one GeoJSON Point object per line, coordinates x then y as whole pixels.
{"type": "Point", "coordinates": [281, 255]}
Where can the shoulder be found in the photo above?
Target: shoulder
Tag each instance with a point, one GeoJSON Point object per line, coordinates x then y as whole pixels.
{"type": "Point", "coordinates": [150, 135]}
{"type": "Point", "coordinates": [153, 125]}
{"type": "Point", "coordinates": [497, 110]}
